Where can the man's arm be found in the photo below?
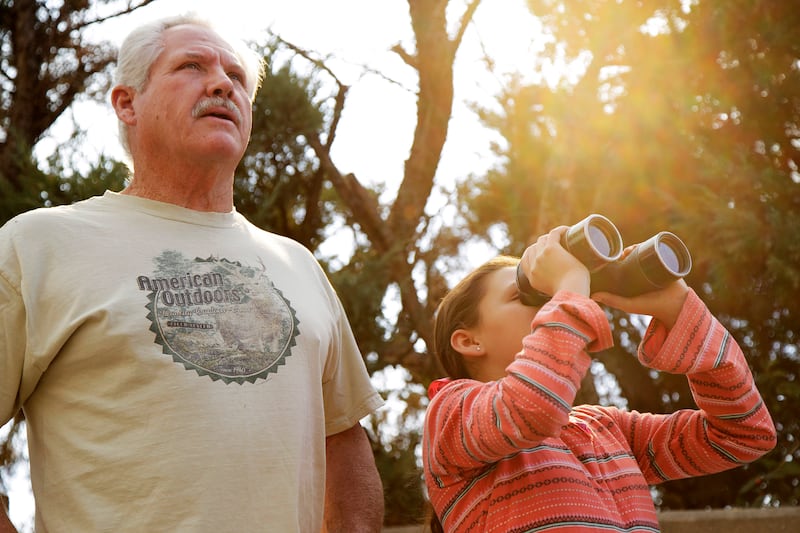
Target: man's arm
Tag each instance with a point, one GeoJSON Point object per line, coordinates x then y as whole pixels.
{"type": "Point", "coordinates": [353, 488]}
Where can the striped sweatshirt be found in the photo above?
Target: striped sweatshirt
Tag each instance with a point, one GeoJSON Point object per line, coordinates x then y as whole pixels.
{"type": "Point", "coordinates": [515, 455]}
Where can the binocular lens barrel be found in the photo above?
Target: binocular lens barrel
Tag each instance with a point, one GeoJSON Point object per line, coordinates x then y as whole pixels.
{"type": "Point", "coordinates": [653, 264]}
{"type": "Point", "coordinates": [673, 254]}
{"type": "Point", "coordinates": [596, 243]}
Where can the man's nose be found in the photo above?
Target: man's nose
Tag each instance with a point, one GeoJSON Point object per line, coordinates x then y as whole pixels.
{"type": "Point", "coordinates": [219, 83]}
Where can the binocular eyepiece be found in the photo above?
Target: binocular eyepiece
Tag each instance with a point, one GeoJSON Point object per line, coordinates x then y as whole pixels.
{"type": "Point", "coordinates": [596, 242]}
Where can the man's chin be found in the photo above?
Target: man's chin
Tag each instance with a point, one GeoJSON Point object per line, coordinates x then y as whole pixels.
{"type": "Point", "coordinates": [224, 146]}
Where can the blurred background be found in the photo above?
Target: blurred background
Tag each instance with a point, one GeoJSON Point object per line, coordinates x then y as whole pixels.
{"type": "Point", "coordinates": [405, 142]}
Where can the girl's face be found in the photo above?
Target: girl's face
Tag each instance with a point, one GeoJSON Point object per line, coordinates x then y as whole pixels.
{"type": "Point", "coordinates": [504, 322]}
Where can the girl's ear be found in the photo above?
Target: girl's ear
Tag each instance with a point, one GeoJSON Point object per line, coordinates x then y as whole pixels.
{"type": "Point", "coordinates": [465, 343]}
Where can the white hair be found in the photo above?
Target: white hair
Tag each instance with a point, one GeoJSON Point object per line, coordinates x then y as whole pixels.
{"type": "Point", "coordinates": [142, 46]}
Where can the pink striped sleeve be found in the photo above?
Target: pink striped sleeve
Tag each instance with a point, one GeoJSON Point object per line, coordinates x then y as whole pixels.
{"type": "Point", "coordinates": [470, 424]}
{"type": "Point", "coordinates": [731, 426]}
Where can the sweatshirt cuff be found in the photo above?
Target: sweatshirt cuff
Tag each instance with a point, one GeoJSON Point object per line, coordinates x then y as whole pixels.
{"type": "Point", "coordinates": [582, 314]}
{"type": "Point", "coordinates": [679, 350]}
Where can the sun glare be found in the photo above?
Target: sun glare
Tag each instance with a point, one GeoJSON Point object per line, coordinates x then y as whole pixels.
{"type": "Point", "coordinates": [513, 41]}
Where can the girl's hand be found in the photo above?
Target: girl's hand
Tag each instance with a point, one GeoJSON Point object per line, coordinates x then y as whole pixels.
{"type": "Point", "coordinates": [662, 304]}
{"type": "Point", "coordinates": [550, 268]}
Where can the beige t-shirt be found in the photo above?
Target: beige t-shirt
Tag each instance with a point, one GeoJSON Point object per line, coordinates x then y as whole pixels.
{"type": "Point", "coordinates": [179, 370]}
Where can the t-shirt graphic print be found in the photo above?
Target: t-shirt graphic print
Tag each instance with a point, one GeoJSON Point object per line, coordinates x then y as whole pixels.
{"type": "Point", "coordinates": [220, 318]}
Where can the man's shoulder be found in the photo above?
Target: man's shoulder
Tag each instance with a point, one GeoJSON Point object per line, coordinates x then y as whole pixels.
{"type": "Point", "coordinates": [40, 217]}
{"type": "Point", "coordinates": [276, 239]}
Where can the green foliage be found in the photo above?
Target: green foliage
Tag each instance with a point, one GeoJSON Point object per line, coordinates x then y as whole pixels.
{"type": "Point", "coordinates": [396, 437]}
{"type": "Point", "coordinates": [45, 64]}
{"type": "Point", "coordinates": [56, 183]}
{"type": "Point", "coordinates": [692, 129]}
{"type": "Point", "coordinates": [279, 185]}
{"type": "Point", "coordinates": [404, 498]}
{"type": "Point", "coordinates": [363, 301]}
{"type": "Point", "coordinates": [15, 199]}
{"type": "Point", "coordinates": [661, 132]}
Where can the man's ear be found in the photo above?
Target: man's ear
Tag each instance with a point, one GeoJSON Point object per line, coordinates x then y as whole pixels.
{"type": "Point", "coordinates": [122, 101]}
{"type": "Point", "coordinates": [465, 343]}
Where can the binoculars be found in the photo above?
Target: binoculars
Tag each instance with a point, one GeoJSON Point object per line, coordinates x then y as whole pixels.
{"type": "Point", "coordinates": [596, 243]}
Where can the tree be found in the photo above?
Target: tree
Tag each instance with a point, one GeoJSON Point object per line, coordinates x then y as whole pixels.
{"type": "Point", "coordinates": [396, 232]}
{"type": "Point", "coordinates": [46, 63]}
{"type": "Point", "coordinates": [282, 190]}
{"type": "Point", "coordinates": [685, 118]}
{"type": "Point", "coordinates": [614, 142]}
{"type": "Point", "coordinates": [278, 185]}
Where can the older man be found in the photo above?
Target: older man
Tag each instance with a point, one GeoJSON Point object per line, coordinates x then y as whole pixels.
{"type": "Point", "coordinates": [179, 368]}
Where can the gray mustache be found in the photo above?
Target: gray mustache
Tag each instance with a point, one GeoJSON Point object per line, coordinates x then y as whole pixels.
{"type": "Point", "coordinates": [205, 104]}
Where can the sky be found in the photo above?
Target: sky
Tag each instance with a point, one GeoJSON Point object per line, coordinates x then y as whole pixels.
{"type": "Point", "coordinates": [376, 131]}
{"type": "Point", "coordinates": [378, 122]}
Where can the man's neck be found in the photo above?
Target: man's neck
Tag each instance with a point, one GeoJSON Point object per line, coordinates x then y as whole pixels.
{"type": "Point", "coordinates": [207, 192]}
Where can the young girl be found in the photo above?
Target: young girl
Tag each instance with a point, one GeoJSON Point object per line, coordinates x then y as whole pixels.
{"type": "Point", "coordinates": [505, 450]}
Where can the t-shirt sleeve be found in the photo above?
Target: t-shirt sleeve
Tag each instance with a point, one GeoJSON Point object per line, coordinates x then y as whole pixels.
{"type": "Point", "coordinates": [12, 349]}
{"type": "Point", "coordinates": [348, 393]}
{"type": "Point", "coordinates": [18, 375]}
